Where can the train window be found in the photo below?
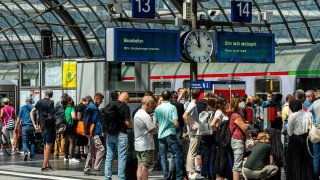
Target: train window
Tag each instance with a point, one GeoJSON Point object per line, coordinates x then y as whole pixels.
{"type": "Point", "coordinates": [158, 87]}
{"type": "Point", "coordinates": [30, 74]}
{"type": "Point", "coordinates": [52, 73]}
{"type": "Point", "coordinates": [186, 84]}
{"type": "Point", "coordinates": [263, 86]}
{"type": "Point", "coordinates": [308, 83]}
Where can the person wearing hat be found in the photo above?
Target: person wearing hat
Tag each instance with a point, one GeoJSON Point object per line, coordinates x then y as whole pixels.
{"type": "Point", "coordinates": [27, 129]}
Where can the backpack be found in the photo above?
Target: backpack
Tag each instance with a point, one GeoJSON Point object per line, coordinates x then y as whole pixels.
{"type": "Point", "coordinates": [205, 118]}
{"type": "Point", "coordinates": [223, 135]}
{"type": "Point", "coordinates": [111, 119]}
{"type": "Point", "coordinates": [48, 120]}
{"type": "Point", "coordinates": [59, 114]}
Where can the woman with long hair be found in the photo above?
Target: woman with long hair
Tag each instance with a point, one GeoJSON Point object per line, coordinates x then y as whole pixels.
{"type": "Point", "coordinates": [238, 128]}
{"type": "Point", "coordinates": [299, 161]}
{"type": "Point", "coordinates": [70, 113]}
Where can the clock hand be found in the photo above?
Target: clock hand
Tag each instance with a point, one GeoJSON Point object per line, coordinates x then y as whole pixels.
{"type": "Point", "coordinates": [197, 39]}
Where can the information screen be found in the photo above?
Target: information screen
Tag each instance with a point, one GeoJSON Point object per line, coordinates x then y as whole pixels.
{"type": "Point", "coordinates": [143, 45]}
{"type": "Point", "coordinates": [245, 47]}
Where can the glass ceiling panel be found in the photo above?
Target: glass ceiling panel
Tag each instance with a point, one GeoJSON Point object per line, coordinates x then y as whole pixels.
{"type": "Point", "coordinates": [22, 21]}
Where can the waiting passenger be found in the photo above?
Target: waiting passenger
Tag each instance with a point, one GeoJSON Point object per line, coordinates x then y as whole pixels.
{"type": "Point", "coordinates": [143, 135]}
{"type": "Point", "coordinates": [298, 161]}
{"type": "Point", "coordinates": [8, 116]}
{"type": "Point", "coordinates": [166, 119]}
{"type": "Point", "coordinates": [45, 108]}
{"type": "Point", "coordinates": [260, 162]}
{"type": "Point", "coordinates": [238, 127]}
{"type": "Point", "coordinates": [96, 148]}
{"type": "Point", "coordinates": [28, 138]}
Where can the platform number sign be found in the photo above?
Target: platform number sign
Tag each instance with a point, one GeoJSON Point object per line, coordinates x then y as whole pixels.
{"type": "Point", "coordinates": [241, 11]}
{"type": "Point", "coordinates": [143, 9]}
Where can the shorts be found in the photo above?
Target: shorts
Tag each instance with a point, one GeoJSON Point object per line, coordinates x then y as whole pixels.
{"type": "Point", "coordinates": [145, 158]}
{"type": "Point", "coordinates": [238, 152]}
{"type": "Point", "coordinates": [48, 137]}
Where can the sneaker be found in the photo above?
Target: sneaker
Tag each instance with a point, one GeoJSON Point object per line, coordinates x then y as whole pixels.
{"type": "Point", "coordinates": [25, 157]}
{"type": "Point", "coordinates": [195, 176]}
{"type": "Point", "coordinates": [65, 160]}
{"type": "Point", "coordinates": [74, 160]}
{"type": "Point", "coordinates": [13, 153]}
{"type": "Point", "coordinates": [1, 152]}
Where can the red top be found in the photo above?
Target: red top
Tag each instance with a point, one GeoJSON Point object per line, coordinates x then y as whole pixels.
{"type": "Point", "coordinates": [7, 111]}
{"type": "Point", "coordinates": [235, 130]}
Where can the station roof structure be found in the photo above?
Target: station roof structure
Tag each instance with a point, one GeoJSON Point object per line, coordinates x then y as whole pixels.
{"type": "Point", "coordinates": [79, 26]}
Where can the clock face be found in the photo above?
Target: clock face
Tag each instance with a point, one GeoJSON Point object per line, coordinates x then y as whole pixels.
{"type": "Point", "coordinates": [198, 45]}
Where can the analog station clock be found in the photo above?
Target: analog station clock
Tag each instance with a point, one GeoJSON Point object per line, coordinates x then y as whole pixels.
{"type": "Point", "coordinates": [198, 45]}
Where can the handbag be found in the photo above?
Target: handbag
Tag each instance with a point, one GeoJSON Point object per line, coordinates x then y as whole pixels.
{"type": "Point", "coordinates": [10, 125]}
{"type": "Point", "coordinates": [314, 132]}
{"type": "Point", "coordinates": [80, 128]}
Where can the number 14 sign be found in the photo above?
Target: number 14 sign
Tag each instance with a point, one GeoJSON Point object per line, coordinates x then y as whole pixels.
{"type": "Point", "coordinates": [143, 9]}
{"type": "Point", "coordinates": [241, 11]}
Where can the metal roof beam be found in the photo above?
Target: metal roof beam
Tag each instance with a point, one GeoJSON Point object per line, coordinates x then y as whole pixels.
{"type": "Point", "coordinates": [67, 18]}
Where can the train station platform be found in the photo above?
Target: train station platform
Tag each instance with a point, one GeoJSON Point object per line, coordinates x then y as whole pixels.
{"type": "Point", "coordinates": [14, 168]}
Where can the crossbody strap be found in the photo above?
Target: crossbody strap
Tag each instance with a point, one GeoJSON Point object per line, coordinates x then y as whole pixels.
{"type": "Point", "coordinates": [10, 117]}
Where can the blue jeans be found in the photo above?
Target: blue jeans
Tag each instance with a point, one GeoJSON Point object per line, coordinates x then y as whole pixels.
{"type": "Point", "coordinates": [28, 140]}
{"type": "Point", "coordinates": [119, 142]}
{"type": "Point", "coordinates": [172, 143]}
{"type": "Point", "coordinates": [316, 159]}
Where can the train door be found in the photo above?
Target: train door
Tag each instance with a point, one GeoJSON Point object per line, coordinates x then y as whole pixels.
{"type": "Point", "coordinates": [8, 90]}
{"type": "Point", "coordinates": [265, 85]}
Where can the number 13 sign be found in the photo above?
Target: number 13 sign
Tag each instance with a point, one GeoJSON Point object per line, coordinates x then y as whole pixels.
{"type": "Point", "coordinates": [143, 9]}
{"type": "Point", "coordinates": [241, 11]}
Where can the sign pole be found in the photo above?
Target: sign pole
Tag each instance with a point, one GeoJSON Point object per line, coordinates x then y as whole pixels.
{"type": "Point", "coordinates": [193, 64]}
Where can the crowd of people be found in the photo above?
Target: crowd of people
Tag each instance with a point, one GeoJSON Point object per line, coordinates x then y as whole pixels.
{"type": "Point", "coordinates": [212, 137]}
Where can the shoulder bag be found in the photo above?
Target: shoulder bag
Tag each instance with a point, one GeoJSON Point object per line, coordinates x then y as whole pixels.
{"type": "Point", "coordinates": [10, 124]}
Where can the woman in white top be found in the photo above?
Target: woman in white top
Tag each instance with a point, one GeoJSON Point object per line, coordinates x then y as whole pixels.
{"type": "Point", "coordinates": [298, 160]}
{"type": "Point", "coordinates": [222, 160]}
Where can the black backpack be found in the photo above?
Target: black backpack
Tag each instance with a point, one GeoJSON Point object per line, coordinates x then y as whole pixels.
{"type": "Point", "coordinates": [48, 120]}
{"type": "Point", "coordinates": [111, 119]}
{"type": "Point", "coordinates": [223, 135]}
{"type": "Point", "coordinates": [59, 114]}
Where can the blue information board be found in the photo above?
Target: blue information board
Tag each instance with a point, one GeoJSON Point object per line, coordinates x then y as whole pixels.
{"type": "Point", "coordinates": [146, 45]}
{"type": "Point", "coordinates": [245, 47]}
{"type": "Point", "coordinates": [143, 9]}
{"type": "Point", "coordinates": [241, 11]}
{"type": "Point", "coordinates": [202, 85]}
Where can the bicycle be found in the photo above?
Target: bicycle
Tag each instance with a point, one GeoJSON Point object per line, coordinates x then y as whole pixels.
{"type": "Point", "coordinates": [7, 146]}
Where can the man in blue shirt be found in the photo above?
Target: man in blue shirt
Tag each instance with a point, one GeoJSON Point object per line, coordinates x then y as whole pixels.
{"type": "Point", "coordinates": [166, 119]}
{"type": "Point", "coordinates": [27, 129]}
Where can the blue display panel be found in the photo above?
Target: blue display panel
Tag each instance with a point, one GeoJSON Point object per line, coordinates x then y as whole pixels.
{"type": "Point", "coordinates": [143, 9]}
{"type": "Point", "coordinates": [245, 47]}
{"type": "Point", "coordinates": [241, 11]}
{"type": "Point", "coordinates": [202, 85]}
{"type": "Point", "coordinates": [143, 45]}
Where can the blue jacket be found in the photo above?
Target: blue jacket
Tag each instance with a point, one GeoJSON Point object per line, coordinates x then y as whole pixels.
{"type": "Point", "coordinates": [92, 115]}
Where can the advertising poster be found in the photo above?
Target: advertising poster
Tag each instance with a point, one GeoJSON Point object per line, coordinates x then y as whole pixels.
{"type": "Point", "coordinates": [69, 77]}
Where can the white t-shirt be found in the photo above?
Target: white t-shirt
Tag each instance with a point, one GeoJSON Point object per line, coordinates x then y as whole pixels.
{"type": "Point", "coordinates": [193, 117]}
{"type": "Point", "coordinates": [142, 124]}
{"type": "Point", "coordinates": [220, 116]}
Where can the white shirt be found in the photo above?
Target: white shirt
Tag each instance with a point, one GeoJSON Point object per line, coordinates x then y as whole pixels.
{"type": "Point", "coordinates": [298, 123]}
{"type": "Point", "coordinates": [142, 124]}
{"type": "Point", "coordinates": [220, 116]}
{"type": "Point", "coordinates": [193, 118]}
